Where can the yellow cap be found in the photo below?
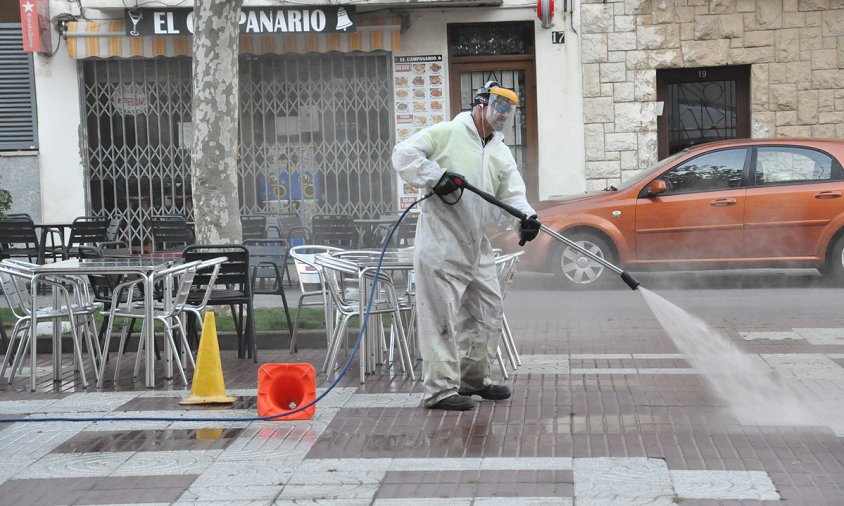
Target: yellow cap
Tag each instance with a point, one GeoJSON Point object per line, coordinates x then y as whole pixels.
{"type": "Point", "coordinates": [504, 92]}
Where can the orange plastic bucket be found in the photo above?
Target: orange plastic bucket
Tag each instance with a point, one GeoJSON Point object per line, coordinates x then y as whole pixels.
{"type": "Point", "coordinates": [285, 387]}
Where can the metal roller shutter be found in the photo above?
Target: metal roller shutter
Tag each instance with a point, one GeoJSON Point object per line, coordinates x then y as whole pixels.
{"type": "Point", "coordinates": [18, 120]}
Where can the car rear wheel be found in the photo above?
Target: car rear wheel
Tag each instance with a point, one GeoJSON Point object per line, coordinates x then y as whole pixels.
{"type": "Point", "coordinates": [576, 269]}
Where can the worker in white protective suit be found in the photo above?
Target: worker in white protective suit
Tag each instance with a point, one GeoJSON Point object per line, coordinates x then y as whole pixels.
{"type": "Point", "coordinates": [459, 303]}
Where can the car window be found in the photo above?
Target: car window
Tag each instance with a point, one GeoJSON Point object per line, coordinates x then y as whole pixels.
{"type": "Point", "coordinates": [719, 170]}
{"type": "Point", "coordinates": [789, 165]}
{"type": "Point", "coordinates": [627, 183]}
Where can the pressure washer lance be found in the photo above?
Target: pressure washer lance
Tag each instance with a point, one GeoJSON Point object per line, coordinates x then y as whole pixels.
{"type": "Point", "coordinates": [628, 278]}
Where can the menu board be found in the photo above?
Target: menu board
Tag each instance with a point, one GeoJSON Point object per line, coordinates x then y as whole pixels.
{"type": "Point", "coordinates": [419, 93]}
{"type": "Point", "coordinates": [419, 87]}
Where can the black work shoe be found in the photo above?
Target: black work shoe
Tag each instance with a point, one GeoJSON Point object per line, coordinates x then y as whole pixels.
{"type": "Point", "coordinates": [490, 392]}
{"type": "Point", "coordinates": [455, 403]}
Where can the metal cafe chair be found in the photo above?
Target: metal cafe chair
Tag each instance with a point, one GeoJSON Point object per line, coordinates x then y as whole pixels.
{"type": "Point", "coordinates": [18, 238]}
{"type": "Point", "coordinates": [338, 272]}
{"type": "Point", "coordinates": [286, 222]}
{"type": "Point", "coordinates": [113, 229]}
{"type": "Point", "coordinates": [338, 230]}
{"type": "Point", "coordinates": [267, 261]}
{"type": "Point", "coordinates": [196, 307]}
{"type": "Point", "coordinates": [103, 285]}
{"type": "Point", "coordinates": [406, 232]}
{"type": "Point", "coordinates": [170, 233]}
{"type": "Point", "coordinates": [254, 226]}
{"type": "Point", "coordinates": [397, 266]}
{"type": "Point", "coordinates": [176, 287]}
{"type": "Point", "coordinates": [312, 291]}
{"type": "Point", "coordinates": [232, 288]}
{"type": "Point", "coordinates": [506, 268]}
{"type": "Point", "coordinates": [78, 307]}
{"type": "Point", "coordinates": [85, 230]}
{"type": "Point", "coordinates": [296, 236]}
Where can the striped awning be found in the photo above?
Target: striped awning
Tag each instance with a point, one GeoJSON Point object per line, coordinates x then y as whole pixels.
{"type": "Point", "coordinates": [108, 39]}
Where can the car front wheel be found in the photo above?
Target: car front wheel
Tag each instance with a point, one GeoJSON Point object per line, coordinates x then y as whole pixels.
{"type": "Point", "coordinates": [834, 268]}
{"type": "Point", "coordinates": [576, 269]}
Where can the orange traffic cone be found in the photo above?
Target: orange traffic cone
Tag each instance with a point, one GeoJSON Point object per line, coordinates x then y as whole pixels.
{"type": "Point", "coordinates": [285, 387]}
{"type": "Point", "coordinates": [208, 386]}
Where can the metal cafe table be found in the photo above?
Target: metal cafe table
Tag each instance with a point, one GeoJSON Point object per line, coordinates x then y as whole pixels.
{"type": "Point", "coordinates": [44, 230]}
{"type": "Point", "coordinates": [143, 267]}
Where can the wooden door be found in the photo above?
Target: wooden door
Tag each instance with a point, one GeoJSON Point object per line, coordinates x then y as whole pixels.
{"type": "Point", "coordinates": [467, 74]}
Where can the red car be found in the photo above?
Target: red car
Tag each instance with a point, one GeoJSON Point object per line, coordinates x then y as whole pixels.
{"type": "Point", "coordinates": [731, 204]}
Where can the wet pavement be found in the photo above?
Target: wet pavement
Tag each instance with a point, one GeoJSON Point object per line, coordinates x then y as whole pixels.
{"type": "Point", "coordinates": [604, 411]}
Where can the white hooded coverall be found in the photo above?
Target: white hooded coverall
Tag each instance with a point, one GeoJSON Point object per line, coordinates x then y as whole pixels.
{"type": "Point", "coordinates": [458, 297]}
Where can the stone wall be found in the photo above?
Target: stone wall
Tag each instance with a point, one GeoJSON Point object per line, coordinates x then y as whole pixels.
{"type": "Point", "coordinates": [19, 174]}
{"type": "Point", "coordinates": [795, 49]}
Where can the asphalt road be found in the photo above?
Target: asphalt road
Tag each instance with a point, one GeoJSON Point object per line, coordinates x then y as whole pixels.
{"type": "Point", "coordinates": [749, 296]}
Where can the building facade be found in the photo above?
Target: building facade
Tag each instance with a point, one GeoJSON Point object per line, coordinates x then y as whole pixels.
{"type": "Point", "coordinates": [714, 69]}
{"type": "Point", "coordinates": [607, 88]}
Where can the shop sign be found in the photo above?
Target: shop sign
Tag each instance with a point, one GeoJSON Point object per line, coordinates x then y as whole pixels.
{"type": "Point", "coordinates": [130, 99]}
{"type": "Point", "coordinates": [35, 26]}
{"type": "Point", "coordinates": [253, 20]}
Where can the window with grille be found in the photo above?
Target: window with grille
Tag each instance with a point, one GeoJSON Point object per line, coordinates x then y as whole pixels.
{"type": "Point", "coordinates": [315, 137]}
{"type": "Point", "coordinates": [702, 105]}
{"type": "Point", "coordinates": [18, 121]}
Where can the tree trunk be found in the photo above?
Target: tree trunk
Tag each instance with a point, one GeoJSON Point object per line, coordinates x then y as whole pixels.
{"type": "Point", "coordinates": [215, 121]}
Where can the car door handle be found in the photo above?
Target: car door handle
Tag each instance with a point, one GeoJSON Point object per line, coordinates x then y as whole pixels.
{"type": "Point", "coordinates": [831, 194]}
{"type": "Point", "coordinates": [722, 202]}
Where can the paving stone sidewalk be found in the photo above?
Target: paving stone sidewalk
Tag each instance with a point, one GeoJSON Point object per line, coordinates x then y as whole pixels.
{"type": "Point", "coordinates": [604, 412]}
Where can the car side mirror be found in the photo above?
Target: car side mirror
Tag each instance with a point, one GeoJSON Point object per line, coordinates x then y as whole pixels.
{"type": "Point", "coordinates": [657, 187]}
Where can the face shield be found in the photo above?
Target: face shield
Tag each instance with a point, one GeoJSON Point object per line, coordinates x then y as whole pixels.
{"type": "Point", "coordinates": [500, 109]}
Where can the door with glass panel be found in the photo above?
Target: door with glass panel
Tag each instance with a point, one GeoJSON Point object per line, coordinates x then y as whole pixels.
{"type": "Point", "coordinates": [702, 105]}
{"type": "Point", "coordinates": [511, 64]}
